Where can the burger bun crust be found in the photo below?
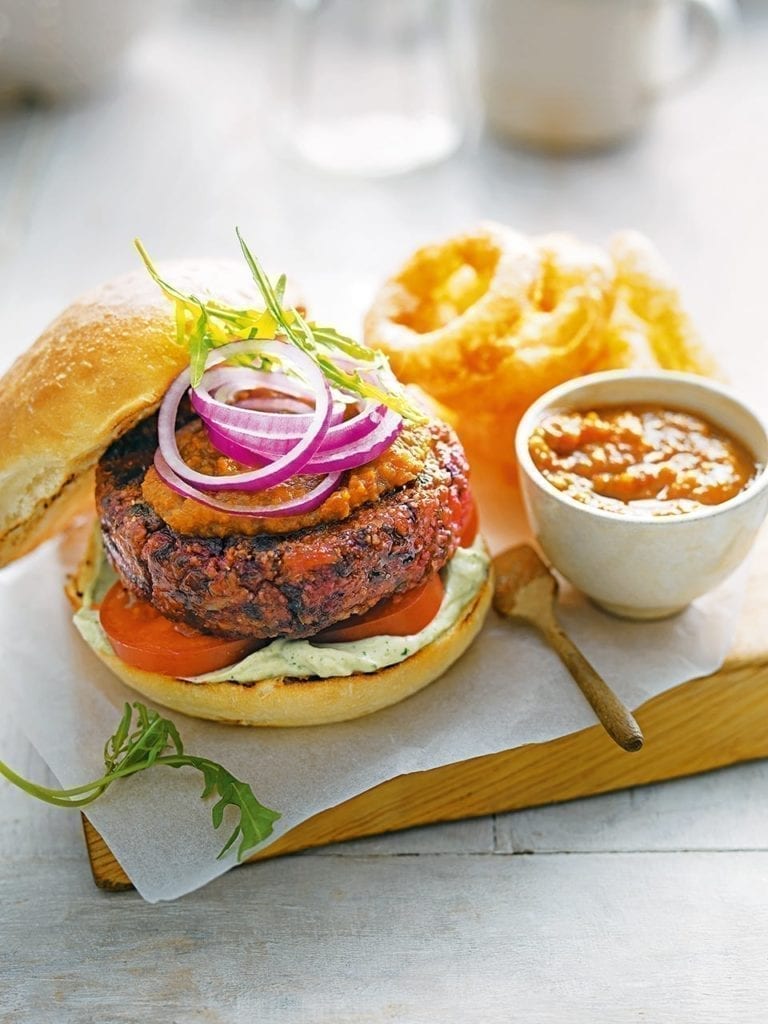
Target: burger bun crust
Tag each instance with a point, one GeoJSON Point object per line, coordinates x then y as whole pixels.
{"type": "Point", "coordinates": [100, 367]}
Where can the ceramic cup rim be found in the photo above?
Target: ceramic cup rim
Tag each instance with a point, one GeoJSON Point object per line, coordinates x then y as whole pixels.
{"type": "Point", "coordinates": [558, 396]}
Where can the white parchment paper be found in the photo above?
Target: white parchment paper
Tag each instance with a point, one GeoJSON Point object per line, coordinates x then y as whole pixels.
{"type": "Point", "coordinates": [508, 690]}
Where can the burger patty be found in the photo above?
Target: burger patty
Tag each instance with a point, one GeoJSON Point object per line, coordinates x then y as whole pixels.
{"type": "Point", "coordinates": [292, 585]}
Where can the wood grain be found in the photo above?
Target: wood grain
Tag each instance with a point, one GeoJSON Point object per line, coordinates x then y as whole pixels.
{"type": "Point", "coordinates": [706, 723]}
{"type": "Point", "coordinates": [360, 934]}
{"type": "Point", "coordinates": [725, 717]}
{"type": "Point", "coordinates": [526, 590]}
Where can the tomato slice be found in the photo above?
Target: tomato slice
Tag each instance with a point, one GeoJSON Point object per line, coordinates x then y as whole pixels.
{"type": "Point", "coordinates": [145, 639]}
{"type": "Point", "coordinates": [471, 525]}
{"type": "Point", "coordinates": [400, 615]}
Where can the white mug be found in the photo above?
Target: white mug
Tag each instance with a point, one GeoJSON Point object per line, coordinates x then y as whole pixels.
{"type": "Point", "coordinates": [577, 74]}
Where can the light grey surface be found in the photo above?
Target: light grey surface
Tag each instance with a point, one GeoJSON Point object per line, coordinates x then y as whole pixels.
{"type": "Point", "coordinates": [357, 939]}
{"type": "Point", "coordinates": [644, 906]}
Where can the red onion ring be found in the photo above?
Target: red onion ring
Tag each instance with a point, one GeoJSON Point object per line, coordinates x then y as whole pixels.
{"type": "Point", "coordinates": [286, 395]}
{"type": "Point", "coordinates": [350, 456]}
{"type": "Point", "coordinates": [362, 446]}
{"type": "Point", "coordinates": [226, 382]}
{"type": "Point", "coordinates": [291, 440]}
{"type": "Point", "coordinates": [233, 449]}
{"type": "Point", "coordinates": [266, 403]}
{"type": "Point", "coordinates": [296, 506]}
{"type": "Point", "coordinates": [267, 476]}
{"type": "Point", "coordinates": [358, 452]}
{"type": "Point", "coordinates": [288, 426]}
{"type": "Point", "coordinates": [356, 428]}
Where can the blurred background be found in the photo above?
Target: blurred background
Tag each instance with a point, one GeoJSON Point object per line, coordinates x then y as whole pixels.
{"type": "Point", "coordinates": [340, 134]}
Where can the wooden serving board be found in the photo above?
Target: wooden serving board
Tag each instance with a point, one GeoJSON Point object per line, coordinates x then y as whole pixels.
{"type": "Point", "coordinates": [703, 724]}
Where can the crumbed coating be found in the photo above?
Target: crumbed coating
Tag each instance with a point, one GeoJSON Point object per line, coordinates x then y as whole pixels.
{"type": "Point", "coordinates": [489, 320]}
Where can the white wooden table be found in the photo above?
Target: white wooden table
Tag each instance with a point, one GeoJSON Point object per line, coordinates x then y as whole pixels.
{"type": "Point", "coordinates": [649, 905]}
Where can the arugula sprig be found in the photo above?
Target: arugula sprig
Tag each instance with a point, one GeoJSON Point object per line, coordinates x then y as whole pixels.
{"type": "Point", "coordinates": [149, 740]}
{"type": "Point", "coordinates": [206, 324]}
{"type": "Point", "coordinates": [321, 343]}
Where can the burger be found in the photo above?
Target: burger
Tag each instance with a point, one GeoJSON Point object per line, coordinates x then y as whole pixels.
{"type": "Point", "coordinates": [283, 536]}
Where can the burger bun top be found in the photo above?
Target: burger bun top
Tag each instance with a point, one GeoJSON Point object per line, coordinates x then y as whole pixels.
{"type": "Point", "coordinates": [100, 367]}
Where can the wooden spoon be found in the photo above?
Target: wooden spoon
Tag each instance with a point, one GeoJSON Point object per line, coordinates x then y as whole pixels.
{"type": "Point", "coordinates": [526, 590]}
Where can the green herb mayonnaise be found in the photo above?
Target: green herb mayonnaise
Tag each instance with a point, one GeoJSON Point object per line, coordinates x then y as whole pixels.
{"type": "Point", "coordinates": [463, 578]}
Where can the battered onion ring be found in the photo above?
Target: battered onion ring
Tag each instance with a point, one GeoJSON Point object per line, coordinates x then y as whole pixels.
{"type": "Point", "coordinates": [649, 326]}
{"type": "Point", "coordinates": [488, 321]}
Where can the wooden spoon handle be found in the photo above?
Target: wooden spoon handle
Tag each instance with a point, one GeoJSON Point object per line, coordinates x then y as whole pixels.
{"type": "Point", "coordinates": [617, 720]}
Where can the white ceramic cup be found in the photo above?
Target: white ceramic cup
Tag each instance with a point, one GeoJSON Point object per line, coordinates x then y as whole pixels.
{"type": "Point", "coordinates": [645, 566]}
{"type": "Point", "coordinates": [579, 74]}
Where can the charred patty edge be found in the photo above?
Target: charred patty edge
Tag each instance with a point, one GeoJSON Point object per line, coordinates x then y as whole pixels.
{"type": "Point", "coordinates": [291, 585]}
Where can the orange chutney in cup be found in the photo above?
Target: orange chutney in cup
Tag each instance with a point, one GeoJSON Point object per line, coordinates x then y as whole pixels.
{"type": "Point", "coordinates": [640, 459]}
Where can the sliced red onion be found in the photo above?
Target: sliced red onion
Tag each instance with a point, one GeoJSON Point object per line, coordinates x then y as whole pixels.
{"type": "Point", "coordinates": [226, 382]}
{"type": "Point", "coordinates": [296, 506]}
{"type": "Point", "coordinates": [267, 476]}
{"type": "Point", "coordinates": [356, 428]}
{"type": "Point", "coordinates": [282, 396]}
{"type": "Point", "coordinates": [366, 419]}
{"type": "Point", "coordinates": [350, 456]}
{"type": "Point", "coordinates": [255, 419]}
{"type": "Point", "coordinates": [270, 403]}
{"type": "Point", "coordinates": [345, 446]}
{"type": "Point", "coordinates": [233, 449]}
{"type": "Point", "coordinates": [286, 426]}
{"type": "Point", "coordinates": [279, 429]}
{"type": "Point", "coordinates": [358, 452]}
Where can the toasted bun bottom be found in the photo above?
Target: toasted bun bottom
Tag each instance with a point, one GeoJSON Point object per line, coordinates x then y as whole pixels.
{"type": "Point", "coordinates": [297, 702]}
